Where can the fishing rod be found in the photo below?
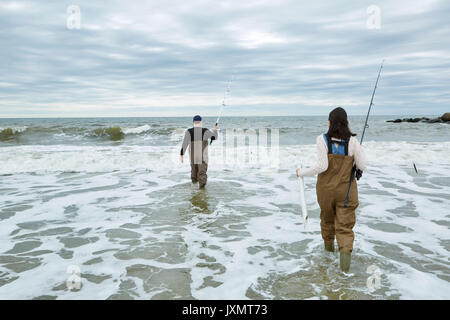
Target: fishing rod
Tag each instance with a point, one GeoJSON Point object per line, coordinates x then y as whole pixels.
{"type": "Point", "coordinates": [355, 171]}
{"type": "Point", "coordinates": [225, 96]}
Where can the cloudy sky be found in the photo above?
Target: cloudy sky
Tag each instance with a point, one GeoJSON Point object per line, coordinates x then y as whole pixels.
{"type": "Point", "coordinates": [174, 58]}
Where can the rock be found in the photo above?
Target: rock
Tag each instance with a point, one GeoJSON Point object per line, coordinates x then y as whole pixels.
{"type": "Point", "coordinates": [412, 119]}
{"type": "Point", "coordinates": [435, 120]}
{"type": "Point", "coordinates": [446, 117]}
{"type": "Point", "coordinates": [395, 121]}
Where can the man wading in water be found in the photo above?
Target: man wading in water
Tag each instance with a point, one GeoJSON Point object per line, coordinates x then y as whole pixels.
{"type": "Point", "coordinates": [197, 137]}
{"type": "Point", "coordinates": [337, 151]}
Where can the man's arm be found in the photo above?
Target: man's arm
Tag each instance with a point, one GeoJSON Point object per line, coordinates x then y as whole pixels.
{"type": "Point", "coordinates": [186, 142]}
{"type": "Point", "coordinates": [211, 134]}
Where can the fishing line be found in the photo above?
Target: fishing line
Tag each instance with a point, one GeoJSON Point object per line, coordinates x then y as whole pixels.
{"type": "Point", "coordinates": [225, 96]}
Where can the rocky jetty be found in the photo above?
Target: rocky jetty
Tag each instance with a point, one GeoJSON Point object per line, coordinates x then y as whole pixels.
{"type": "Point", "coordinates": [444, 118]}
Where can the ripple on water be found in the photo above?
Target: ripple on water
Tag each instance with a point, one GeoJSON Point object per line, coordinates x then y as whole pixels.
{"type": "Point", "coordinates": [75, 242]}
{"type": "Point", "coordinates": [169, 240]}
{"type": "Point", "coordinates": [19, 264]}
{"type": "Point", "coordinates": [119, 233]}
{"type": "Point", "coordinates": [44, 233]}
{"type": "Point", "coordinates": [10, 211]}
{"type": "Point", "coordinates": [162, 283]}
{"type": "Point", "coordinates": [24, 247]}
{"type": "Point", "coordinates": [389, 227]}
{"type": "Point", "coordinates": [319, 277]}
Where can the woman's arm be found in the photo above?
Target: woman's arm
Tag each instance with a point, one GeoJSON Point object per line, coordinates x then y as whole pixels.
{"type": "Point", "coordinates": [358, 152]}
{"type": "Point", "coordinates": [322, 159]}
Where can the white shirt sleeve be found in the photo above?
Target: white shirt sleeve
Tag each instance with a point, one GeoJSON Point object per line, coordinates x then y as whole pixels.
{"type": "Point", "coordinates": [322, 159]}
{"type": "Point", "coordinates": [356, 150]}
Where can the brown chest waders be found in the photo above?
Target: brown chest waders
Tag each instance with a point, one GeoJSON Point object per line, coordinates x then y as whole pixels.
{"type": "Point", "coordinates": [336, 220]}
{"type": "Point", "coordinates": [199, 156]}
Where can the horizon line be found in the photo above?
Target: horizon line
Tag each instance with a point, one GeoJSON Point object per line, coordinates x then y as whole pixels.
{"type": "Point", "coordinates": [250, 116]}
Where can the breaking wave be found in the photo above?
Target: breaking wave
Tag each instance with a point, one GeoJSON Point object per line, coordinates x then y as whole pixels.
{"type": "Point", "coordinates": [66, 158]}
{"type": "Point", "coordinates": [9, 133]}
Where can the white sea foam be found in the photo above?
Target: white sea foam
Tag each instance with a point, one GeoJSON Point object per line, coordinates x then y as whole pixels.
{"type": "Point", "coordinates": [242, 238]}
{"type": "Point", "coordinates": [65, 158]}
{"type": "Point", "coordinates": [136, 130]}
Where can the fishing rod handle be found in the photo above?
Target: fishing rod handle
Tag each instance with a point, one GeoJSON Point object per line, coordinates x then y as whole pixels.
{"type": "Point", "coordinates": [352, 177]}
{"type": "Point", "coordinates": [348, 196]}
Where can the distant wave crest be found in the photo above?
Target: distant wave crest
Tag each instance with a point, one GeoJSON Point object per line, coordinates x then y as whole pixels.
{"type": "Point", "coordinates": [10, 133]}
{"type": "Point", "coordinates": [113, 133]}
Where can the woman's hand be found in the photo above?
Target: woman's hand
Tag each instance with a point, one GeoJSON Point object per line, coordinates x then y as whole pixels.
{"type": "Point", "coordinates": [297, 172]}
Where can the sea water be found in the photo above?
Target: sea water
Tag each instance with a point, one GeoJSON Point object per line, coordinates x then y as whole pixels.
{"type": "Point", "coordinates": [105, 204]}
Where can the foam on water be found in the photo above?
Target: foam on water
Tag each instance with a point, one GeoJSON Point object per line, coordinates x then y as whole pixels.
{"type": "Point", "coordinates": [66, 158]}
{"type": "Point", "coordinates": [137, 130]}
{"type": "Point", "coordinates": [127, 215]}
{"type": "Point", "coordinates": [129, 218]}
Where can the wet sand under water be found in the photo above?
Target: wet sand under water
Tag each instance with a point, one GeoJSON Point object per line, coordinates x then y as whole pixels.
{"type": "Point", "coordinates": [153, 235]}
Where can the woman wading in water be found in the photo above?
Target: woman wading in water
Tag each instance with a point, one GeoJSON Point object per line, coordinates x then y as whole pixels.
{"type": "Point", "coordinates": [337, 150]}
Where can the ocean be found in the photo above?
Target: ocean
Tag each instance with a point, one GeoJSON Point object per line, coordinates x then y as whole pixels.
{"type": "Point", "coordinates": [101, 208]}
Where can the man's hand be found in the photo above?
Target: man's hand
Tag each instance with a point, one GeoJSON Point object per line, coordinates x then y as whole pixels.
{"type": "Point", "coordinates": [181, 159]}
{"type": "Point", "coordinates": [297, 172]}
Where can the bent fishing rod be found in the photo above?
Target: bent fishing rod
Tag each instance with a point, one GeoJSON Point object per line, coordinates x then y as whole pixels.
{"type": "Point", "coordinates": [225, 96]}
{"type": "Point", "coordinates": [355, 171]}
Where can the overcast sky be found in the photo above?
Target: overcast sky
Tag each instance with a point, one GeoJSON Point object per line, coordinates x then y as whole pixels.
{"type": "Point", "coordinates": [174, 58]}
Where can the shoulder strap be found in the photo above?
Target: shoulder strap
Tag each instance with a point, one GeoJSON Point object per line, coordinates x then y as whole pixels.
{"type": "Point", "coordinates": [328, 140]}
{"type": "Point", "coordinates": [191, 133]}
{"type": "Point", "coordinates": [346, 146]}
{"type": "Point", "coordinates": [203, 132]}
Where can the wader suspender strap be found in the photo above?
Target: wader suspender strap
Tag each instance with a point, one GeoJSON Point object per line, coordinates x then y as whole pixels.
{"type": "Point", "coordinates": [191, 132]}
{"type": "Point", "coordinates": [330, 146]}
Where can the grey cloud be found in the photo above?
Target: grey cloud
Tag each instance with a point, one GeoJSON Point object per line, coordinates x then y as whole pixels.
{"type": "Point", "coordinates": [313, 53]}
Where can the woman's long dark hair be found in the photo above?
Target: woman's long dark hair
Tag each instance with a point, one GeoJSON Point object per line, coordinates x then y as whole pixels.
{"type": "Point", "coordinates": [339, 125]}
